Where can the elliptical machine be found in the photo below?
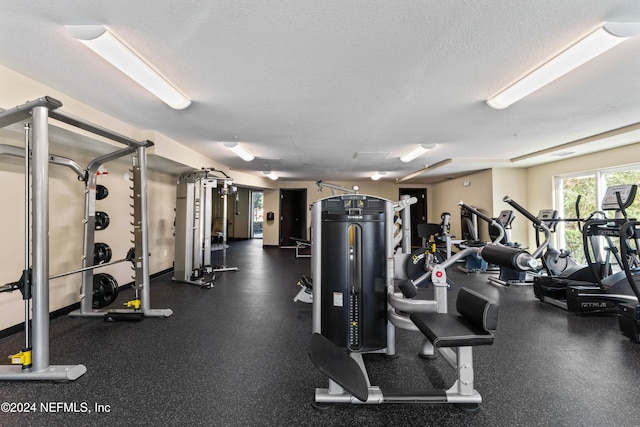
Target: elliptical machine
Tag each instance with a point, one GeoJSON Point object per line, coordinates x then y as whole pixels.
{"type": "Point", "coordinates": [629, 318]}
{"type": "Point", "coordinates": [607, 293]}
{"type": "Point", "coordinates": [559, 263]}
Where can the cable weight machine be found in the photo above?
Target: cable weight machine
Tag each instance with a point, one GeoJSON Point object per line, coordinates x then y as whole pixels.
{"type": "Point", "coordinates": [194, 226]}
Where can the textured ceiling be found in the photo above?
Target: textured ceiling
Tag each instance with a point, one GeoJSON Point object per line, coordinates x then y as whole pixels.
{"type": "Point", "coordinates": [307, 84]}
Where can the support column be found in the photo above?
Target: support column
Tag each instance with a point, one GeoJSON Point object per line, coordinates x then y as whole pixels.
{"type": "Point", "coordinates": [40, 237]}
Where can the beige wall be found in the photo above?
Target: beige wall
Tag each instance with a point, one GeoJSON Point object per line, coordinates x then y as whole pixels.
{"type": "Point", "coordinates": [446, 196]}
{"type": "Point", "coordinates": [387, 190]}
{"type": "Point", "coordinates": [512, 182]}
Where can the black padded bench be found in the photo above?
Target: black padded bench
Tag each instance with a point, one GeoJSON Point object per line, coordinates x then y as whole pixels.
{"type": "Point", "coordinates": [478, 316]}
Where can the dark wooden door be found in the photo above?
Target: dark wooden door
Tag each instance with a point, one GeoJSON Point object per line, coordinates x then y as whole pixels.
{"type": "Point", "coordinates": [293, 215]}
{"type": "Point", "coordinates": [418, 212]}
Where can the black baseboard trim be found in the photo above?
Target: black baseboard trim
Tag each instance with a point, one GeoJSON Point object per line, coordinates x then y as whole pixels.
{"type": "Point", "coordinates": [68, 309]}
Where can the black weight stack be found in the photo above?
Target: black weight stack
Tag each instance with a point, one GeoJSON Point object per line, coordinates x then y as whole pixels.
{"type": "Point", "coordinates": [353, 272]}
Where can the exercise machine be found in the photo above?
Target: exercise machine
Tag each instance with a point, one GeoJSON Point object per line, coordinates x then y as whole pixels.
{"type": "Point", "coordinates": [559, 263]}
{"type": "Point", "coordinates": [471, 238]}
{"type": "Point", "coordinates": [629, 317]}
{"type": "Point", "coordinates": [32, 363]}
{"type": "Point", "coordinates": [194, 226]}
{"type": "Point", "coordinates": [356, 309]}
{"type": "Point", "coordinates": [514, 276]}
{"type": "Point", "coordinates": [436, 246]}
{"type": "Point", "coordinates": [608, 289]}
{"type": "Point", "coordinates": [607, 293]}
{"type": "Point", "coordinates": [140, 306]}
{"type": "Point", "coordinates": [401, 243]}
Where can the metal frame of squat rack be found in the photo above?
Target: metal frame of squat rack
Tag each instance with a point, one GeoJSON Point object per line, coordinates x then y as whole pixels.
{"type": "Point", "coordinates": [40, 370]}
{"type": "Point", "coordinates": [140, 222]}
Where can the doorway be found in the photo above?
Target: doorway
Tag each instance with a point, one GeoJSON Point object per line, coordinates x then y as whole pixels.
{"type": "Point", "coordinates": [418, 212]}
{"type": "Point", "coordinates": [257, 211]}
{"type": "Point", "coordinates": [293, 215]}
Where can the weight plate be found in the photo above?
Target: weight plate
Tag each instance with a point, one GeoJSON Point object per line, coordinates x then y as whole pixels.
{"type": "Point", "coordinates": [101, 253]}
{"type": "Point", "coordinates": [101, 192]}
{"type": "Point", "coordinates": [105, 290]}
{"type": "Point", "coordinates": [101, 220]}
{"type": "Point", "coordinates": [414, 265]}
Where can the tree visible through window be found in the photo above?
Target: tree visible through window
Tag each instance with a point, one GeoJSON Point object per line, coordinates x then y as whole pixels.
{"type": "Point", "coordinates": [590, 187]}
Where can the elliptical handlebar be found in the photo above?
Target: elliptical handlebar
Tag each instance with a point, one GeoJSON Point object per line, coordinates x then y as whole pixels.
{"type": "Point", "coordinates": [523, 211]}
{"type": "Point", "coordinates": [491, 221]}
{"type": "Point", "coordinates": [540, 225]}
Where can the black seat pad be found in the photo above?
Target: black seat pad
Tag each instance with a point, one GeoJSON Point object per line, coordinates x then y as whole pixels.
{"type": "Point", "coordinates": [446, 330]}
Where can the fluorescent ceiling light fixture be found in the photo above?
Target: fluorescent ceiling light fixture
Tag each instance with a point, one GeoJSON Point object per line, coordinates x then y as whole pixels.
{"type": "Point", "coordinates": [377, 175]}
{"type": "Point", "coordinates": [596, 43]}
{"type": "Point", "coordinates": [105, 44]}
{"type": "Point", "coordinates": [271, 175]}
{"type": "Point", "coordinates": [239, 150]}
{"type": "Point", "coordinates": [417, 151]}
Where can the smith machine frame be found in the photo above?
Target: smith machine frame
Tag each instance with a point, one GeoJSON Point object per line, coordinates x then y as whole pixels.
{"type": "Point", "coordinates": [33, 362]}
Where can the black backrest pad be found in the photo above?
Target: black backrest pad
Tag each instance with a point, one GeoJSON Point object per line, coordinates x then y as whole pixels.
{"type": "Point", "coordinates": [428, 229]}
{"type": "Point", "coordinates": [477, 309]}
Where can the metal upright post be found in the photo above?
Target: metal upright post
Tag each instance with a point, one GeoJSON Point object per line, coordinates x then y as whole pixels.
{"type": "Point", "coordinates": [389, 251]}
{"type": "Point", "coordinates": [40, 275]}
{"type": "Point", "coordinates": [39, 368]}
{"type": "Point", "coordinates": [142, 236]}
{"type": "Point", "coordinates": [142, 270]}
{"type": "Point", "coordinates": [405, 215]}
{"type": "Point", "coordinates": [27, 236]}
{"type": "Point", "coordinates": [225, 221]}
{"type": "Point", "coordinates": [225, 205]}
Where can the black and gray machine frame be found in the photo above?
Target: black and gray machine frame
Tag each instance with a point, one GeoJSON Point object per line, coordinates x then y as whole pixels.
{"type": "Point", "coordinates": [355, 306]}
{"type": "Point", "coordinates": [629, 317]}
{"type": "Point", "coordinates": [607, 289]}
{"type": "Point", "coordinates": [607, 293]}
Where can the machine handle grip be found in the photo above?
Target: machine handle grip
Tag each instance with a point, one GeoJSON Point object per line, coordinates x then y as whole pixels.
{"type": "Point", "coordinates": [523, 211]}
{"type": "Point", "coordinates": [476, 212]}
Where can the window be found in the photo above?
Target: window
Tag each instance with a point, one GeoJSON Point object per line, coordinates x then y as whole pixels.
{"type": "Point", "coordinates": [588, 188]}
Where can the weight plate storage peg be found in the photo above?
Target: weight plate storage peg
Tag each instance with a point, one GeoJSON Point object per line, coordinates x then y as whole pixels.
{"type": "Point", "coordinates": [105, 290]}
{"type": "Point", "coordinates": [102, 220]}
{"type": "Point", "coordinates": [101, 253]}
{"type": "Point", "coordinates": [101, 192]}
